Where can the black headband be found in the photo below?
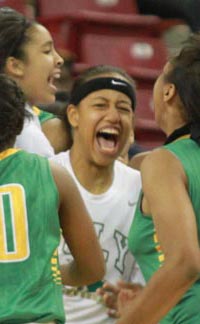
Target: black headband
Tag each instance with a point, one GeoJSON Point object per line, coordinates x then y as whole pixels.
{"type": "Point", "coordinates": [103, 83]}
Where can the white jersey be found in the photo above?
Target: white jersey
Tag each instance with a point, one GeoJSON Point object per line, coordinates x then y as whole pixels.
{"type": "Point", "coordinates": [112, 214]}
{"type": "Point", "coordinates": [32, 139]}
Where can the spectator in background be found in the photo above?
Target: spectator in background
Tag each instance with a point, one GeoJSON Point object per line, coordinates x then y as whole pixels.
{"type": "Point", "coordinates": [37, 199]}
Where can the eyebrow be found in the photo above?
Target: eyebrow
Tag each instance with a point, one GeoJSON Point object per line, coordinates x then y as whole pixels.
{"type": "Point", "coordinates": [99, 97]}
{"type": "Point", "coordinates": [103, 98]}
{"type": "Point", "coordinates": [124, 101]}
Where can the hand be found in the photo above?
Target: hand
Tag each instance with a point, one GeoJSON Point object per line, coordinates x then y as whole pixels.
{"type": "Point", "coordinates": [110, 293]}
{"type": "Point", "coordinates": [124, 299]}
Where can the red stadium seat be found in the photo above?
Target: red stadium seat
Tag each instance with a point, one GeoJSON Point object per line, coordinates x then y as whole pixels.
{"type": "Point", "coordinates": [18, 5]}
{"type": "Point", "coordinates": [147, 133]}
{"type": "Point", "coordinates": [119, 17]}
{"type": "Point", "coordinates": [141, 57]}
{"type": "Point", "coordinates": [51, 8]}
{"type": "Point", "coordinates": [144, 114]}
{"type": "Point", "coordinates": [69, 31]}
{"type": "Point", "coordinates": [115, 13]}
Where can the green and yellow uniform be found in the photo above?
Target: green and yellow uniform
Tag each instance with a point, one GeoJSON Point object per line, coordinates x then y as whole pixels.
{"type": "Point", "coordinates": [144, 244]}
{"type": "Point", "coordinates": [42, 114]}
{"type": "Point", "coordinates": [30, 281]}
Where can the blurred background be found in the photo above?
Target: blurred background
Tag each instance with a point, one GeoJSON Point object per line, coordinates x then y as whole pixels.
{"type": "Point", "coordinates": [136, 35]}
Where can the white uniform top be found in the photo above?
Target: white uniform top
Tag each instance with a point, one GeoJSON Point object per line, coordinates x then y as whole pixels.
{"type": "Point", "coordinates": [112, 213]}
{"type": "Point", "coordinates": [31, 138]}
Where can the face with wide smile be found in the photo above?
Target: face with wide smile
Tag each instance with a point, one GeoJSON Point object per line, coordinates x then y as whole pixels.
{"type": "Point", "coordinates": [41, 67]}
{"type": "Point", "coordinates": [103, 125]}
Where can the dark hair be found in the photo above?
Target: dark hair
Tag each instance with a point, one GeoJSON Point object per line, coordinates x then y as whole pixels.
{"type": "Point", "coordinates": [97, 71]}
{"type": "Point", "coordinates": [185, 74]}
{"type": "Point", "coordinates": [12, 111]}
{"type": "Point", "coordinates": [13, 34]}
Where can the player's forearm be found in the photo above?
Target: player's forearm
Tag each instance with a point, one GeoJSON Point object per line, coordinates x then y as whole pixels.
{"type": "Point", "coordinates": [162, 293]}
{"type": "Point", "coordinates": [73, 275]}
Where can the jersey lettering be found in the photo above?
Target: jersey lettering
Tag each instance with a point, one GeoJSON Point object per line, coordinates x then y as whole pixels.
{"type": "Point", "coordinates": [121, 243]}
{"type": "Point", "coordinates": [14, 239]}
{"type": "Point", "coordinates": [99, 228]}
{"type": "Point", "coordinates": [122, 247]}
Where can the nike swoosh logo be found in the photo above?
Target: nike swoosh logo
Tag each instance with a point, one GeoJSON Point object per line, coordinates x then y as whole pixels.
{"type": "Point", "coordinates": [117, 83]}
{"type": "Point", "coordinates": [132, 203]}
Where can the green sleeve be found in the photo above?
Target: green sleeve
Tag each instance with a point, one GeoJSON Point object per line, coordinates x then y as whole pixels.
{"type": "Point", "coordinates": [45, 115]}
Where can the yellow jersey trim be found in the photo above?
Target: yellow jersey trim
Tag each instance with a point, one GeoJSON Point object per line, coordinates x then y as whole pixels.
{"type": "Point", "coordinates": [8, 152]}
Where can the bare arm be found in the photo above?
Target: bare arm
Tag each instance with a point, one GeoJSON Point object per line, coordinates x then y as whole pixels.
{"type": "Point", "coordinates": [58, 134]}
{"type": "Point", "coordinates": [79, 233]}
{"type": "Point", "coordinates": [136, 161]}
{"type": "Point", "coordinates": [166, 198]}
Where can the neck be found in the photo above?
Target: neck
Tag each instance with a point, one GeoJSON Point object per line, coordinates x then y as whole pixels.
{"type": "Point", "coordinates": [94, 178]}
{"type": "Point", "coordinates": [173, 122]}
{"type": "Point", "coordinates": [179, 133]}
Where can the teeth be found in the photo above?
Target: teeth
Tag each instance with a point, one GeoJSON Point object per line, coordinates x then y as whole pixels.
{"type": "Point", "coordinates": [56, 76]}
{"type": "Point", "coordinates": [109, 131]}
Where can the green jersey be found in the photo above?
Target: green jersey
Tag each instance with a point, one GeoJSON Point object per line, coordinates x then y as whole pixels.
{"type": "Point", "coordinates": [30, 280]}
{"type": "Point", "coordinates": [42, 114]}
{"type": "Point", "coordinates": [144, 244]}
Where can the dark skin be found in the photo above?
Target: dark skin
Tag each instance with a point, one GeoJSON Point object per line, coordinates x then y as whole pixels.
{"type": "Point", "coordinates": [162, 170]}
{"type": "Point", "coordinates": [136, 161]}
{"type": "Point", "coordinates": [72, 221]}
{"type": "Point", "coordinates": [58, 134]}
{"type": "Point", "coordinates": [172, 212]}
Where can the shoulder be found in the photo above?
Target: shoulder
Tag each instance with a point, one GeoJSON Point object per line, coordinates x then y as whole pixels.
{"type": "Point", "coordinates": [61, 158]}
{"type": "Point", "coordinates": [33, 161]}
{"type": "Point", "coordinates": [62, 178]}
{"type": "Point", "coordinates": [160, 158]}
{"type": "Point", "coordinates": [129, 179]}
{"type": "Point", "coordinates": [161, 166]}
{"type": "Point", "coordinates": [126, 170]}
{"type": "Point", "coordinates": [136, 161]}
{"type": "Point", "coordinates": [33, 140]}
{"type": "Point", "coordinates": [42, 114]}
{"type": "Point", "coordinates": [28, 156]}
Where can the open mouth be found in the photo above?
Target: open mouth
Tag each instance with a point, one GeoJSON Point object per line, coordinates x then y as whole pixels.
{"type": "Point", "coordinates": [52, 79]}
{"type": "Point", "coordinates": [108, 140]}
{"type": "Point", "coordinates": [51, 83]}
